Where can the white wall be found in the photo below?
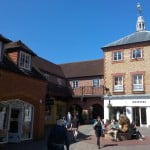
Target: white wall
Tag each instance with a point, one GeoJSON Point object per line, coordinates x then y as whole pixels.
{"type": "Point", "coordinates": [148, 116]}
{"type": "Point", "coordinates": [106, 110]}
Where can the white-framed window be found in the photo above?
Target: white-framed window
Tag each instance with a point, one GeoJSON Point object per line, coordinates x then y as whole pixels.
{"type": "Point", "coordinates": [25, 60]}
{"type": "Point", "coordinates": [136, 53]}
{"type": "Point", "coordinates": [75, 84]}
{"type": "Point", "coordinates": [117, 56]}
{"type": "Point", "coordinates": [138, 82]}
{"type": "Point", "coordinates": [118, 84]}
{"type": "Point", "coordinates": [96, 82]}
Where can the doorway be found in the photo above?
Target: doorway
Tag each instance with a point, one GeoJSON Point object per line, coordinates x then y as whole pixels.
{"type": "Point", "coordinates": [14, 133]}
{"type": "Point", "coordinates": [139, 116]}
{"type": "Point", "coordinates": [97, 111]}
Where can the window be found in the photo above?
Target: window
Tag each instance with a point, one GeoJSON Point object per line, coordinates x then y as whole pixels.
{"type": "Point", "coordinates": [118, 84]}
{"type": "Point", "coordinates": [59, 80]}
{"type": "Point", "coordinates": [137, 53]}
{"type": "Point", "coordinates": [25, 61]}
{"type": "Point", "coordinates": [117, 56]}
{"type": "Point", "coordinates": [137, 82]}
{"type": "Point", "coordinates": [75, 84]}
{"type": "Point", "coordinates": [96, 82]}
{"type": "Point", "coordinates": [47, 76]}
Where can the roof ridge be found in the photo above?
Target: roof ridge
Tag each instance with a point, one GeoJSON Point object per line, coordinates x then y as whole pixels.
{"type": "Point", "coordinates": [81, 61]}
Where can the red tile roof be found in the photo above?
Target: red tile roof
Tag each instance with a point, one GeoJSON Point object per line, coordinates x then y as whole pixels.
{"type": "Point", "coordinates": [48, 66]}
{"type": "Point", "coordinates": [84, 68]}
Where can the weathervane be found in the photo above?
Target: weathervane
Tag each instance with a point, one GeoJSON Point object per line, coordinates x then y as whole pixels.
{"type": "Point", "coordinates": [139, 9]}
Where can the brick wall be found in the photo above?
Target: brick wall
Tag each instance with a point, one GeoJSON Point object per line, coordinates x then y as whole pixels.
{"type": "Point", "coordinates": [127, 67]}
{"type": "Point", "coordinates": [14, 57]}
{"type": "Point", "coordinates": [15, 86]}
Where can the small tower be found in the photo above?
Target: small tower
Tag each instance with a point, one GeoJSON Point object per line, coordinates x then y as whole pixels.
{"type": "Point", "coordinates": [140, 25]}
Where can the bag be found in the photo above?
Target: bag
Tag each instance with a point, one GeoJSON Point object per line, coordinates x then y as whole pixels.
{"type": "Point", "coordinates": [94, 127]}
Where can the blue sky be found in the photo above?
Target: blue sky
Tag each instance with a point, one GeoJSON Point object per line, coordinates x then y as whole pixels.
{"type": "Point", "coordinates": [65, 31]}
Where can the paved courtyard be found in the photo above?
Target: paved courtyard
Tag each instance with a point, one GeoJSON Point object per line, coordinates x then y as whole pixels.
{"type": "Point", "coordinates": [87, 141]}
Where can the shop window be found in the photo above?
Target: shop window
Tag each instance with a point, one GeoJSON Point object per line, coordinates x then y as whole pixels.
{"type": "Point", "coordinates": [27, 122]}
{"type": "Point", "coordinates": [4, 114]}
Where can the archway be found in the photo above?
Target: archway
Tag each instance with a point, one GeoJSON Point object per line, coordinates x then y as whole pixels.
{"type": "Point", "coordinates": [97, 110]}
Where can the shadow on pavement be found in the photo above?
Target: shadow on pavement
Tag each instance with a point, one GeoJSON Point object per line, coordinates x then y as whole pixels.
{"type": "Point", "coordinates": [80, 137]}
{"type": "Point", "coordinates": [106, 145]}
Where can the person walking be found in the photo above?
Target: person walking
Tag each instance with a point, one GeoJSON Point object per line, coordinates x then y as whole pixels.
{"type": "Point", "coordinates": [69, 117]}
{"type": "Point", "coordinates": [98, 130]}
{"type": "Point", "coordinates": [58, 137]}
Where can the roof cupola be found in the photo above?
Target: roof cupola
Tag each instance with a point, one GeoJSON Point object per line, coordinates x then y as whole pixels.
{"type": "Point", "coordinates": [140, 25]}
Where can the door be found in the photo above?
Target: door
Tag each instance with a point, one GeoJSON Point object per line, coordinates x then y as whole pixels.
{"type": "Point", "coordinates": [139, 116]}
{"type": "Point", "coordinates": [136, 116]}
{"type": "Point", "coordinates": [14, 133]}
{"type": "Point", "coordinates": [143, 116]}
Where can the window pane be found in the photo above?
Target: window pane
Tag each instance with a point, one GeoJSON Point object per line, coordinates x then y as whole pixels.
{"type": "Point", "coordinates": [115, 55]}
{"type": "Point", "coordinates": [138, 53]}
{"type": "Point", "coordinates": [119, 55]}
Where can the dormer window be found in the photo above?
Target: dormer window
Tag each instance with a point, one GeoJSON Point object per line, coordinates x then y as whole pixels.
{"type": "Point", "coordinates": [25, 60]}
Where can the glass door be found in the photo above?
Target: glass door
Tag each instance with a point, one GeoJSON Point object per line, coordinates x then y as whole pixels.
{"type": "Point", "coordinates": [139, 116]}
{"type": "Point", "coordinates": [15, 125]}
{"type": "Point", "coordinates": [136, 116]}
{"type": "Point", "coordinates": [143, 116]}
{"type": "Point", "coordinates": [4, 115]}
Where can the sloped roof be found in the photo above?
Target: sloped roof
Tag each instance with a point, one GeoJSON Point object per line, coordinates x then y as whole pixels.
{"type": "Point", "coordinates": [7, 64]}
{"type": "Point", "coordinates": [84, 68]}
{"type": "Point", "coordinates": [18, 45]}
{"type": "Point", "coordinates": [135, 37]}
{"type": "Point", "coordinates": [2, 38]}
{"type": "Point", "coordinates": [48, 66]}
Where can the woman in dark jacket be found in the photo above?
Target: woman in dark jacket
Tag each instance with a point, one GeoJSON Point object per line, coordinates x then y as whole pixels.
{"type": "Point", "coordinates": [58, 137]}
{"type": "Point", "coordinates": [98, 130]}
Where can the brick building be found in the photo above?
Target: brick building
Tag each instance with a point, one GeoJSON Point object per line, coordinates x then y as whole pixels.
{"type": "Point", "coordinates": [21, 103]}
{"type": "Point", "coordinates": [58, 91]}
{"type": "Point", "coordinates": [127, 76]}
{"type": "Point", "coordinates": [86, 83]}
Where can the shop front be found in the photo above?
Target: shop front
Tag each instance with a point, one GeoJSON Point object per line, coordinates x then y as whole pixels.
{"type": "Point", "coordinates": [137, 108]}
{"type": "Point", "coordinates": [16, 121]}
